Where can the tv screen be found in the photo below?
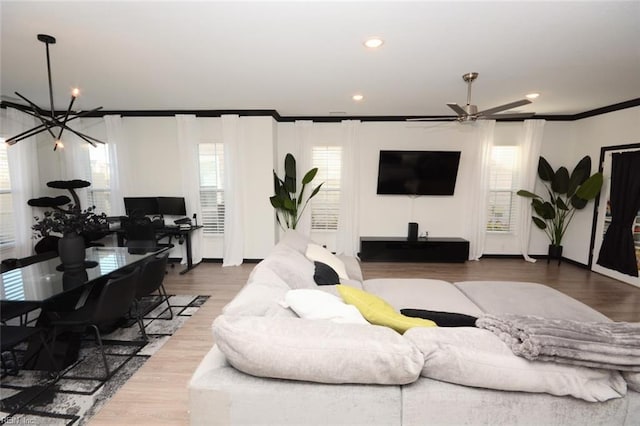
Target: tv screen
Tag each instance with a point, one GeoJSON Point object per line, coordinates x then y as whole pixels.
{"type": "Point", "coordinates": [145, 206]}
{"type": "Point", "coordinates": [418, 172]}
{"type": "Point", "coordinates": [172, 206]}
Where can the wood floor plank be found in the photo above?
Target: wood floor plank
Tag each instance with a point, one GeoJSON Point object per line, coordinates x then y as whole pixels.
{"type": "Point", "coordinates": [157, 393]}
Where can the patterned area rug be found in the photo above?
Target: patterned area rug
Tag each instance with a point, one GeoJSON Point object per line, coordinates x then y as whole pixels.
{"type": "Point", "coordinates": [81, 390]}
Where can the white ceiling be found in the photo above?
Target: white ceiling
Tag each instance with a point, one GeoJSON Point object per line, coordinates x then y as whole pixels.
{"type": "Point", "coordinates": [307, 58]}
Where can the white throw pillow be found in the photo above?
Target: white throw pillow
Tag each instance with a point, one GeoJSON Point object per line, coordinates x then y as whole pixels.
{"type": "Point", "coordinates": [320, 254]}
{"type": "Point", "coordinates": [476, 357]}
{"type": "Point", "coordinates": [318, 304]}
{"type": "Point", "coordinates": [317, 351]}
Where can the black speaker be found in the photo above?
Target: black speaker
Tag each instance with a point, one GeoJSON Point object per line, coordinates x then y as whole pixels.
{"type": "Point", "coordinates": [413, 231]}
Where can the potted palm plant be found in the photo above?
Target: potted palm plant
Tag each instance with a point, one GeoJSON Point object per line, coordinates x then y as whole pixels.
{"type": "Point", "coordinates": [565, 193]}
{"type": "Point", "coordinates": [287, 202]}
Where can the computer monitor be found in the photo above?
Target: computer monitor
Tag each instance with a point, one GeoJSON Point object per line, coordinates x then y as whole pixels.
{"type": "Point", "coordinates": [146, 206]}
{"type": "Point", "coordinates": [172, 206]}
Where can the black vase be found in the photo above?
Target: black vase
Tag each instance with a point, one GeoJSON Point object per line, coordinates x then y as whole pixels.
{"type": "Point", "coordinates": [555, 252]}
{"type": "Point", "coordinates": [71, 250]}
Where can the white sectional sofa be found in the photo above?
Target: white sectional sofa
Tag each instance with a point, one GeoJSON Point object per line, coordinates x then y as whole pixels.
{"type": "Point", "coordinates": [271, 367]}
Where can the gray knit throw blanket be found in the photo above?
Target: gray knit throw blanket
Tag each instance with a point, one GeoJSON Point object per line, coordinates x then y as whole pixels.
{"type": "Point", "coordinates": [610, 345]}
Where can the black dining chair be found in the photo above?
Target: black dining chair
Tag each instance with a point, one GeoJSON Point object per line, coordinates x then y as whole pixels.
{"type": "Point", "coordinates": [151, 280]}
{"type": "Point", "coordinates": [112, 303]}
{"type": "Point", "coordinates": [12, 335]}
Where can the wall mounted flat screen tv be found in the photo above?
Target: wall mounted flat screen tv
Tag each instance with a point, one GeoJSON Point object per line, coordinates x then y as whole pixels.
{"type": "Point", "coordinates": [172, 206]}
{"type": "Point", "coordinates": [418, 172]}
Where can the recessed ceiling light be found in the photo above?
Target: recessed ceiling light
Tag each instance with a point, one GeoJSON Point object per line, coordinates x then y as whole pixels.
{"type": "Point", "coordinates": [374, 42]}
{"type": "Point", "coordinates": [532, 95]}
{"type": "Point", "coordinates": [358, 97]}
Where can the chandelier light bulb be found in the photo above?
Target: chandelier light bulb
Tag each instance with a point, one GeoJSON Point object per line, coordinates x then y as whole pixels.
{"type": "Point", "coordinates": [75, 92]}
{"type": "Point", "coordinates": [357, 97]}
{"type": "Point", "coordinates": [58, 144]}
{"type": "Point", "coordinates": [373, 42]}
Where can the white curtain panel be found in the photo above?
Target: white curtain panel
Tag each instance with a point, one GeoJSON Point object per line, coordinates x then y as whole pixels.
{"type": "Point", "coordinates": [304, 135]}
{"type": "Point", "coordinates": [347, 238]}
{"type": "Point", "coordinates": [233, 247]}
{"type": "Point", "coordinates": [75, 160]}
{"type": "Point", "coordinates": [25, 180]}
{"type": "Point", "coordinates": [530, 146]}
{"type": "Point", "coordinates": [480, 188]}
{"type": "Point", "coordinates": [119, 178]}
{"type": "Point", "coordinates": [188, 138]}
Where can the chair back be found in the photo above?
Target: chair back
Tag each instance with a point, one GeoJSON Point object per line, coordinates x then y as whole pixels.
{"type": "Point", "coordinates": [140, 233]}
{"type": "Point", "coordinates": [152, 275]}
{"type": "Point", "coordinates": [116, 297]}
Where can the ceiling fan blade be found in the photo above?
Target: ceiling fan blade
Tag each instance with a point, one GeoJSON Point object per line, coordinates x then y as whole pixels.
{"type": "Point", "coordinates": [505, 107]}
{"type": "Point", "coordinates": [458, 109]}
{"type": "Point", "coordinates": [507, 116]}
{"type": "Point", "coordinates": [442, 118]}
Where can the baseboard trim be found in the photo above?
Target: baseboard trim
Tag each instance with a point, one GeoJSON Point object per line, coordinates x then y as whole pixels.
{"type": "Point", "coordinates": [535, 256]}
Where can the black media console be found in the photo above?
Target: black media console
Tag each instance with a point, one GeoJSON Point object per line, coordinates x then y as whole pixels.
{"type": "Point", "coordinates": [400, 249]}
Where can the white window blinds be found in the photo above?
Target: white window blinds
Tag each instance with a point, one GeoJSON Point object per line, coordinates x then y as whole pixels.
{"type": "Point", "coordinates": [502, 194]}
{"type": "Point", "coordinates": [325, 207]}
{"type": "Point", "coordinates": [211, 159]}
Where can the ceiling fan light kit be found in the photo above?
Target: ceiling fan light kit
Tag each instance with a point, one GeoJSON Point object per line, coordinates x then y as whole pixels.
{"type": "Point", "coordinates": [51, 121]}
{"type": "Point", "coordinates": [470, 113]}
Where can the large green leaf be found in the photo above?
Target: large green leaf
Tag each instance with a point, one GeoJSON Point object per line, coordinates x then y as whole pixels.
{"type": "Point", "coordinates": [560, 204]}
{"type": "Point", "coordinates": [546, 211]}
{"type": "Point", "coordinates": [591, 187]}
{"type": "Point", "coordinates": [539, 222]}
{"type": "Point", "coordinates": [276, 202]}
{"type": "Point", "coordinates": [290, 173]}
{"type": "Point", "coordinates": [578, 203]}
{"type": "Point", "coordinates": [560, 182]}
{"type": "Point", "coordinates": [309, 176]}
{"type": "Point", "coordinates": [315, 191]}
{"type": "Point", "coordinates": [575, 180]}
{"type": "Point", "coordinates": [583, 168]}
{"type": "Point", "coordinates": [527, 194]}
{"type": "Point", "coordinates": [545, 171]}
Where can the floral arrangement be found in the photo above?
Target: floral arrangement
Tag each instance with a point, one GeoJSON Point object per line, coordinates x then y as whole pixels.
{"type": "Point", "coordinates": [69, 221]}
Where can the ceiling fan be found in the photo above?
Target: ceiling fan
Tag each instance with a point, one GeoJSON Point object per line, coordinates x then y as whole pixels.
{"type": "Point", "coordinates": [470, 112]}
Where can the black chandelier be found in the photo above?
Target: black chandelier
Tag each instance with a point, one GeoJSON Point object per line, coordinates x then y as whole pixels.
{"type": "Point", "coordinates": [52, 121]}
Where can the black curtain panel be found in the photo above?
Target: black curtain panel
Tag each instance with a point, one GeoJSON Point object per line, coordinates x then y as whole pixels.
{"type": "Point", "coordinates": [618, 251]}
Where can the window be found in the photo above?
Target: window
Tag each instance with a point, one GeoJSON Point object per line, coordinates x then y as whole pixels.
{"type": "Point", "coordinates": [325, 206]}
{"type": "Point", "coordinates": [502, 194]}
{"type": "Point", "coordinates": [7, 225]}
{"type": "Point", "coordinates": [211, 159]}
{"type": "Point", "coordinates": [99, 192]}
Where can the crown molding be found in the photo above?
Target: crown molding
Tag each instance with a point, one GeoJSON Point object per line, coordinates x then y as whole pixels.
{"type": "Point", "coordinates": [333, 118]}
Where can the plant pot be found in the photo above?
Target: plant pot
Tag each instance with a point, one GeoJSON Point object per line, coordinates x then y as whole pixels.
{"type": "Point", "coordinates": [71, 250]}
{"type": "Point", "coordinates": [555, 252]}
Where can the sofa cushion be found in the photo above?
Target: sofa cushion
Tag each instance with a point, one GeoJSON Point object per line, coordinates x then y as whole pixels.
{"type": "Point", "coordinates": [318, 253]}
{"type": "Point", "coordinates": [295, 240]}
{"type": "Point", "coordinates": [513, 297]}
{"type": "Point", "coordinates": [377, 311]}
{"type": "Point", "coordinates": [316, 351]}
{"type": "Point", "coordinates": [352, 266]}
{"type": "Point", "coordinates": [318, 304]}
{"type": "Point", "coordinates": [325, 274]}
{"type": "Point", "coordinates": [476, 357]}
{"type": "Point", "coordinates": [442, 319]}
{"type": "Point", "coordinates": [434, 295]}
{"type": "Point", "coordinates": [291, 266]}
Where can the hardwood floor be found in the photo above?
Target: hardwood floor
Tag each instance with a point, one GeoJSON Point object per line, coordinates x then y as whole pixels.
{"type": "Point", "coordinates": [157, 393]}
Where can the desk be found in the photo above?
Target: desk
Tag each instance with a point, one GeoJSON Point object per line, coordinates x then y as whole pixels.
{"type": "Point", "coordinates": [170, 232]}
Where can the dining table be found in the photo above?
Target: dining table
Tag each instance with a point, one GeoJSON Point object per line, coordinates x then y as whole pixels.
{"type": "Point", "coordinates": [51, 287]}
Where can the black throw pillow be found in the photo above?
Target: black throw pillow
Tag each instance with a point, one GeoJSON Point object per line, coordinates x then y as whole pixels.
{"type": "Point", "coordinates": [442, 319]}
{"type": "Point", "coordinates": [325, 274]}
